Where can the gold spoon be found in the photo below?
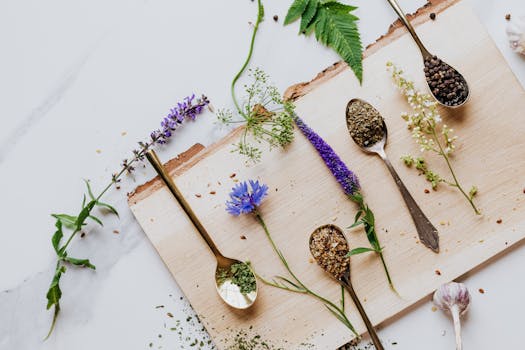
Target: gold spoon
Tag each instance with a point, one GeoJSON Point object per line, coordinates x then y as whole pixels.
{"type": "Point", "coordinates": [228, 291]}
{"type": "Point", "coordinates": [428, 234]}
{"type": "Point", "coordinates": [342, 273]}
{"type": "Point", "coordinates": [458, 101]}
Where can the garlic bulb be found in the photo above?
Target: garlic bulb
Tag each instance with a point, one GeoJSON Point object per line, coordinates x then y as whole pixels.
{"type": "Point", "coordinates": [454, 298]}
{"type": "Point", "coordinates": [516, 34]}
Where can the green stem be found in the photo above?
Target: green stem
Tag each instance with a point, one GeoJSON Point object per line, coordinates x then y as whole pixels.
{"type": "Point", "coordinates": [447, 160]}
{"type": "Point", "coordinates": [327, 302]}
{"type": "Point", "coordinates": [260, 15]}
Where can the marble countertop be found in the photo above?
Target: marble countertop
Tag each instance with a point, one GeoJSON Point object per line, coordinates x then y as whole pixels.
{"type": "Point", "coordinates": [82, 83]}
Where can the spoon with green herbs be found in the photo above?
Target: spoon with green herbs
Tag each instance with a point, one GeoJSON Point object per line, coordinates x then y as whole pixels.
{"type": "Point", "coordinates": [368, 130]}
{"type": "Point", "coordinates": [329, 248]}
{"type": "Point", "coordinates": [235, 281]}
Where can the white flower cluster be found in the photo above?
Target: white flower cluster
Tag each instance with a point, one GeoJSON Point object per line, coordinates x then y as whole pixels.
{"type": "Point", "coordinates": [425, 121]}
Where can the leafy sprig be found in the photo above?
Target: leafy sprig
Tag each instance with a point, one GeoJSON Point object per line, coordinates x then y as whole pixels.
{"type": "Point", "coordinates": [188, 109]}
{"type": "Point", "coordinates": [266, 116]}
{"type": "Point", "coordinates": [334, 26]}
{"type": "Point", "coordinates": [365, 217]}
{"type": "Point", "coordinates": [430, 134]}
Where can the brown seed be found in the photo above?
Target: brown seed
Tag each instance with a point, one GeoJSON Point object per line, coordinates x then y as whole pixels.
{"type": "Point", "coordinates": [499, 221]}
{"type": "Point", "coordinates": [116, 232]}
{"type": "Point", "coordinates": [82, 235]}
{"type": "Point", "coordinates": [169, 314]}
{"type": "Point", "coordinates": [275, 18]}
{"type": "Point", "coordinates": [482, 291]}
{"type": "Point", "coordinates": [213, 192]}
{"type": "Point", "coordinates": [198, 195]}
{"type": "Point", "coordinates": [432, 16]}
{"type": "Point", "coordinates": [438, 272]}
{"type": "Point", "coordinates": [232, 175]}
{"type": "Point", "coordinates": [427, 190]}
{"type": "Point", "coordinates": [507, 16]}
{"type": "Point", "coordinates": [243, 237]}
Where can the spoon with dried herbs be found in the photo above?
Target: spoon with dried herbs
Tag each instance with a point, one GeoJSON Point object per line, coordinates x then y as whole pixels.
{"type": "Point", "coordinates": [446, 84]}
{"type": "Point", "coordinates": [368, 129]}
{"type": "Point", "coordinates": [329, 248]}
{"type": "Point", "coordinates": [235, 280]}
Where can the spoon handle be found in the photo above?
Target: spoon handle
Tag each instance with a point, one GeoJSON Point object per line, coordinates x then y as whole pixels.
{"type": "Point", "coordinates": [428, 234]}
{"type": "Point", "coordinates": [411, 30]}
{"type": "Point", "coordinates": [163, 173]}
{"type": "Point", "coordinates": [345, 280]}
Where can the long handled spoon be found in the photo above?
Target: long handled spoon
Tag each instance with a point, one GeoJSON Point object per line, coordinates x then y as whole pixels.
{"type": "Point", "coordinates": [428, 234]}
{"type": "Point", "coordinates": [228, 291]}
{"type": "Point", "coordinates": [446, 84]}
{"type": "Point", "coordinates": [329, 248]}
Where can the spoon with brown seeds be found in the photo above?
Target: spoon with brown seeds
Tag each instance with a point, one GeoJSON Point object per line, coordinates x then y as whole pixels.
{"type": "Point", "coordinates": [329, 248]}
{"type": "Point", "coordinates": [446, 84]}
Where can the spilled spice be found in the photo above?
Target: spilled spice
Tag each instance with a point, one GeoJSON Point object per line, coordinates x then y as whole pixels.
{"type": "Point", "coordinates": [329, 248]}
{"type": "Point", "coordinates": [364, 122]}
{"type": "Point", "coordinates": [447, 85]}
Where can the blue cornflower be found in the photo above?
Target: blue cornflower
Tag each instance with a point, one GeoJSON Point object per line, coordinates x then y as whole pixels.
{"type": "Point", "coordinates": [245, 200]}
{"type": "Point", "coordinates": [346, 178]}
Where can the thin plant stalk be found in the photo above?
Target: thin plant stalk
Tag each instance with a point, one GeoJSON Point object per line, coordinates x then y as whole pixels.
{"type": "Point", "coordinates": [337, 311]}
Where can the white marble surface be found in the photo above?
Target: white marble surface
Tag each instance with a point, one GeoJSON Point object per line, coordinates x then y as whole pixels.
{"type": "Point", "coordinates": [75, 76]}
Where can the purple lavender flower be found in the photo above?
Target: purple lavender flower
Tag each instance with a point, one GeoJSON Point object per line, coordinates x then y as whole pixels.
{"type": "Point", "coordinates": [346, 178]}
{"type": "Point", "coordinates": [187, 109]}
{"type": "Point", "coordinates": [244, 200]}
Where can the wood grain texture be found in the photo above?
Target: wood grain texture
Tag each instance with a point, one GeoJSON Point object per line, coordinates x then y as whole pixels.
{"type": "Point", "coordinates": [303, 195]}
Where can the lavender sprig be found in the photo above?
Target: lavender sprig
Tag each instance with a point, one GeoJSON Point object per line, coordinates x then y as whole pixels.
{"type": "Point", "coordinates": [350, 184]}
{"type": "Point", "coordinates": [188, 109]}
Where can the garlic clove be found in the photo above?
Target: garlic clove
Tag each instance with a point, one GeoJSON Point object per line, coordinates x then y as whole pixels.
{"type": "Point", "coordinates": [516, 34]}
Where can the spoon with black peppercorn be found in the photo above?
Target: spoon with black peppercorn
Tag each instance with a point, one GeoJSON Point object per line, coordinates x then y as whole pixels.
{"type": "Point", "coordinates": [368, 130]}
{"type": "Point", "coordinates": [446, 84]}
{"type": "Point", "coordinates": [330, 249]}
{"type": "Point", "coordinates": [231, 293]}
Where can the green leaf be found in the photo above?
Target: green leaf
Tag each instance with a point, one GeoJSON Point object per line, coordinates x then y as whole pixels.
{"type": "Point", "coordinates": [84, 214]}
{"type": "Point", "coordinates": [355, 224]}
{"type": "Point", "coordinates": [68, 221]}
{"type": "Point", "coordinates": [338, 30]}
{"type": "Point", "coordinates": [54, 293]}
{"type": "Point", "coordinates": [80, 262]}
{"type": "Point", "coordinates": [90, 192]}
{"type": "Point", "coordinates": [309, 14]}
{"type": "Point", "coordinates": [361, 250]}
{"type": "Point", "coordinates": [109, 207]}
{"type": "Point", "coordinates": [57, 236]}
{"type": "Point", "coordinates": [97, 220]}
{"type": "Point", "coordinates": [295, 11]}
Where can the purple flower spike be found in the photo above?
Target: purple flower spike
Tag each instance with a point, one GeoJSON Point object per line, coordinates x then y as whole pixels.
{"type": "Point", "coordinates": [346, 178]}
{"type": "Point", "coordinates": [244, 200]}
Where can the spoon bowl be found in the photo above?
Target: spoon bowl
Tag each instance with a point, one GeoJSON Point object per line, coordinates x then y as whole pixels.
{"type": "Point", "coordinates": [452, 88]}
{"type": "Point", "coordinates": [355, 109]}
{"type": "Point", "coordinates": [229, 292]}
{"type": "Point", "coordinates": [329, 248]}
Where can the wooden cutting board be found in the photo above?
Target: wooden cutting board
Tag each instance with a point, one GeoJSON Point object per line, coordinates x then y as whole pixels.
{"type": "Point", "coordinates": [303, 194]}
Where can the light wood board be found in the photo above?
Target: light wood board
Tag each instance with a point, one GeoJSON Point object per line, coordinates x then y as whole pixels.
{"type": "Point", "coordinates": [304, 195]}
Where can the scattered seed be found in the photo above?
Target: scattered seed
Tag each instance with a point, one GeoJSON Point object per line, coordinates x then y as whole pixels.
{"type": "Point", "coordinates": [481, 291]}
{"type": "Point", "coordinates": [82, 235]}
{"type": "Point", "coordinates": [232, 175]}
{"type": "Point", "coordinates": [275, 18]}
{"type": "Point", "coordinates": [438, 272]}
{"type": "Point", "coordinates": [499, 221]}
{"type": "Point", "coordinates": [427, 190]}
{"type": "Point", "coordinates": [433, 16]}
{"type": "Point", "coordinates": [116, 232]}
{"type": "Point", "coordinates": [98, 151]}
{"type": "Point", "coordinates": [507, 16]}
{"type": "Point", "coordinates": [170, 314]}
{"type": "Point", "coordinates": [212, 192]}
{"type": "Point", "coordinates": [243, 237]}
{"type": "Point", "coordinates": [434, 309]}
{"type": "Point", "coordinates": [198, 195]}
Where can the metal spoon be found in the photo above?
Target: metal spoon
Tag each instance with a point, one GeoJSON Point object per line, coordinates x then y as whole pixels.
{"type": "Point", "coordinates": [343, 277]}
{"type": "Point", "coordinates": [228, 291]}
{"type": "Point", "coordinates": [464, 93]}
{"type": "Point", "coordinates": [428, 234]}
